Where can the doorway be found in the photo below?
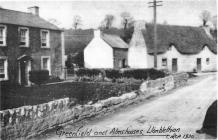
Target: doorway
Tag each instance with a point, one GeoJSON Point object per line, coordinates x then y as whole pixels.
{"type": "Point", "coordinates": [198, 64]}
{"type": "Point", "coordinates": [24, 68]}
{"type": "Point", "coordinates": [174, 65]}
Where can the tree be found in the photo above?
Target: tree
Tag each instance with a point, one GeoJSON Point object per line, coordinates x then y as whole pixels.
{"type": "Point", "coordinates": [108, 21]}
{"type": "Point", "coordinates": [205, 17]}
{"type": "Point", "coordinates": [76, 21]}
{"type": "Point", "coordinates": [127, 20]}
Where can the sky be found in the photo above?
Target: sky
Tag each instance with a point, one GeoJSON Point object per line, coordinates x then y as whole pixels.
{"type": "Point", "coordinates": [92, 12]}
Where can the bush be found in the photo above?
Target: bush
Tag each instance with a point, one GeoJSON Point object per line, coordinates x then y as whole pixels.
{"type": "Point", "coordinates": [39, 76]}
{"type": "Point", "coordinates": [143, 73]}
{"type": "Point", "coordinates": [53, 79]}
{"type": "Point", "coordinates": [113, 74]}
{"type": "Point", "coordinates": [88, 72]}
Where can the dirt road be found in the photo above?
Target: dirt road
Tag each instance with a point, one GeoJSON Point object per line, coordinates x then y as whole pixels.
{"type": "Point", "coordinates": [171, 116]}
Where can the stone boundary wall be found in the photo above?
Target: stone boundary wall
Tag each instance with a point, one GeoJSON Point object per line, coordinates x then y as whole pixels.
{"type": "Point", "coordinates": [27, 121]}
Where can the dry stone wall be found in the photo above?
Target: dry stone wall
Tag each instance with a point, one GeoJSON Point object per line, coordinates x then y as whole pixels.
{"type": "Point", "coordinates": [27, 121]}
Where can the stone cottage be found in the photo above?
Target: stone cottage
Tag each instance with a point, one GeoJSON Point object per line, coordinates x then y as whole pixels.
{"type": "Point", "coordinates": [179, 48]}
{"type": "Point", "coordinates": [28, 42]}
{"type": "Point", "coordinates": [105, 51]}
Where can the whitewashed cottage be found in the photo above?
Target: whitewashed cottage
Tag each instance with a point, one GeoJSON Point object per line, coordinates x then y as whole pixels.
{"type": "Point", "coordinates": [180, 48]}
{"type": "Point", "coordinates": [105, 51]}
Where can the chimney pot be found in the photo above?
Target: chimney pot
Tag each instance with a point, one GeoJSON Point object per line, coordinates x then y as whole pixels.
{"type": "Point", "coordinates": [97, 33]}
{"type": "Point", "coordinates": [34, 10]}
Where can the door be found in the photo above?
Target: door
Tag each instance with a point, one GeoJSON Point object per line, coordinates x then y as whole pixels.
{"type": "Point", "coordinates": [123, 63]}
{"type": "Point", "coordinates": [174, 65]}
{"type": "Point", "coordinates": [198, 64]}
{"type": "Point", "coordinates": [24, 72]}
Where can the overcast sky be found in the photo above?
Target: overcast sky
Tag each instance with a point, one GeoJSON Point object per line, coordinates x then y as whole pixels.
{"type": "Point", "coordinates": [175, 12]}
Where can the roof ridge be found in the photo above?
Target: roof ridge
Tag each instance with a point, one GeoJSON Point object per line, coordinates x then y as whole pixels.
{"type": "Point", "coordinates": [27, 19]}
{"type": "Point", "coordinates": [173, 25]}
{"type": "Point", "coordinates": [16, 11]}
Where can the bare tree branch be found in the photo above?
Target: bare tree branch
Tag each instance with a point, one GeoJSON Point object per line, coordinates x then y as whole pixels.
{"type": "Point", "coordinates": [127, 19]}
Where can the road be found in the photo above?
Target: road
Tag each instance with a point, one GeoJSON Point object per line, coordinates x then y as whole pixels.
{"type": "Point", "coordinates": [182, 110]}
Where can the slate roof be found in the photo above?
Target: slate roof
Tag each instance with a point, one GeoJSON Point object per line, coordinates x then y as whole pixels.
{"type": "Point", "coordinates": [114, 41]}
{"type": "Point", "coordinates": [187, 40]}
{"type": "Point", "coordinates": [24, 19]}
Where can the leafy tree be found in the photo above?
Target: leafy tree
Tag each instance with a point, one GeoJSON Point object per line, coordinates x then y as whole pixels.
{"type": "Point", "coordinates": [205, 16]}
{"type": "Point", "coordinates": [108, 21]}
{"type": "Point", "coordinates": [77, 21]}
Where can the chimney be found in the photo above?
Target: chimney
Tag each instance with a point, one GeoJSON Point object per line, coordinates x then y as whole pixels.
{"type": "Point", "coordinates": [34, 10]}
{"type": "Point", "coordinates": [97, 33]}
{"type": "Point", "coordinates": [207, 31]}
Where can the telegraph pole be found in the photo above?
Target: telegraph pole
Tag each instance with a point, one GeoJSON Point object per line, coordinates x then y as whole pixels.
{"type": "Point", "coordinates": [155, 4]}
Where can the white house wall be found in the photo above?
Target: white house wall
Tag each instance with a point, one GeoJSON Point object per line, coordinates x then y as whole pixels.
{"type": "Point", "coordinates": [185, 62]}
{"type": "Point", "coordinates": [98, 54]}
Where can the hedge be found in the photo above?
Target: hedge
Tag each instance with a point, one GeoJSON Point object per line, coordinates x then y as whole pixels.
{"type": "Point", "coordinates": [39, 76]}
{"type": "Point", "coordinates": [128, 73]}
{"type": "Point", "coordinates": [88, 72]}
{"type": "Point", "coordinates": [112, 73]}
{"type": "Point", "coordinates": [143, 73]}
{"type": "Point", "coordinates": [83, 92]}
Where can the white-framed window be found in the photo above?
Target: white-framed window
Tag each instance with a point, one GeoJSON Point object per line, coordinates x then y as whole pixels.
{"type": "Point", "coordinates": [3, 34]}
{"type": "Point", "coordinates": [164, 61]}
{"type": "Point", "coordinates": [45, 39]}
{"type": "Point", "coordinates": [24, 36]}
{"type": "Point", "coordinates": [207, 61]}
{"type": "Point", "coordinates": [46, 63]}
{"type": "Point", "coordinates": [3, 69]}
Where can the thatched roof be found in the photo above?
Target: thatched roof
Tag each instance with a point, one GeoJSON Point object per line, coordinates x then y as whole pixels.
{"type": "Point", "coordinates": [24, 19]}
{"type": "Point", "coordinates": [187, 40]}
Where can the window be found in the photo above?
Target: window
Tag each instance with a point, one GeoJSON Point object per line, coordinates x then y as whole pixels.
{"type": "Point", "coordinates": [207, 61]}
{"type": "Point", "coordinates": [164, 62]}
{"type": "Point", "coordinates": [45, 39]}
{"type": "Point", "coordinates": [45, 64]}
{"type": "Point", "coordinates": [24, 37]}
{"type": "Point", "coordinates": [2, 35]}
{"type": "Point", "coordinates": [3, 69]}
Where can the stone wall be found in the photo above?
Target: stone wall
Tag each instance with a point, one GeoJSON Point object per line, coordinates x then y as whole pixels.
{"type": "Point", "coordinates": [28, 121]}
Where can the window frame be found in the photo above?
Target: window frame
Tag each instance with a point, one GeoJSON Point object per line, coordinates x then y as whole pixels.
{"type": "Point", "coordinates": [27, 36]}
{"type": "Point", "coordinates": [5, 61]}
{"type": "Point", "coordinates": [49, 63]}
{"type": "Point", "coordinates": [162, 64]}
{"type": "Point", "coordinates": [47, 38]}
{"type": "Point", "coordinates": [4, 35]}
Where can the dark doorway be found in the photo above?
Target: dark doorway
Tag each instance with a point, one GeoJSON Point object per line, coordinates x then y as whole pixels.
{"type": "Point", "coordinates": [174, 65]}
{"type": "Point", "coordinates": [198, 64]}
{"type": "Point", "coordinates": [23, 73]}
{"type": "Point", "coordinates": [123, 63]}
